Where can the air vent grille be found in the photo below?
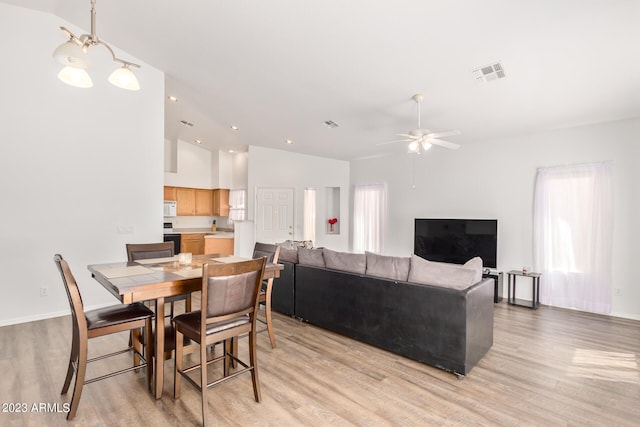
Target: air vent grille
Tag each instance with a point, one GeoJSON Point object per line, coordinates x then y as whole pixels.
{"type": "Point", "coordinates": [489, 73]}
{"type": "Point", "coordinates": [331, 124]}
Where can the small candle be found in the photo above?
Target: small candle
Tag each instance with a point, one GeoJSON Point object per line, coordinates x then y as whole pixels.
{"type": "Point", "coordinates": [185, 258]}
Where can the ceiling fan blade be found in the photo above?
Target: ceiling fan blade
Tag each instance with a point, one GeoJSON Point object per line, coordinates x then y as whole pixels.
{"type": "Point", "coordinates": [444, 133]}
{"type": "Point", "coordinates": [445, 144]}
{"type": "Point", "coordinates": [407, 135]}
{"type": "Point", "coordinates": [394, 142]}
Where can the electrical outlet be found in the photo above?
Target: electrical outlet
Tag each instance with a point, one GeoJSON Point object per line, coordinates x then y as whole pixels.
{"type": "Point", "coordinates": [126, 229]}
{"type": "Point", "coordinates": [44, 292]}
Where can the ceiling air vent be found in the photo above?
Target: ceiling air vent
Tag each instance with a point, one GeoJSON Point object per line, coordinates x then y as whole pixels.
{"type": "Point", "coordinates": [331, 124]}
{"type": "Point", "coordinates": [489, 73]}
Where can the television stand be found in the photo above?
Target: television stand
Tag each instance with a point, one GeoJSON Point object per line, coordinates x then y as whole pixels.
{"type": "Point", "coordinates": [498, 277]}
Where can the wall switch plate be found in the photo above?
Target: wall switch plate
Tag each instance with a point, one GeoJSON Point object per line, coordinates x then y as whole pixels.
{"type": "Point", "coordinates": [44, 291]}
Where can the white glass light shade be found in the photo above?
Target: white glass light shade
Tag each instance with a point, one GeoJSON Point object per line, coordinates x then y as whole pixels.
{"type": "Point", "coordinates": [426, 145]}
{"type": "Point", "coordinates": [124, 78]}
{"type": "Point", "coordinates": [75, 77]}
{"type": "Point", "coordinates": [413, 147]}
{"type": "Point", "coordinates": [71, 54]}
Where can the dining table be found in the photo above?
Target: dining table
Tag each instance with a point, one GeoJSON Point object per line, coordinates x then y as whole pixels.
{"type": "Point", "coordinates": [157, 279]}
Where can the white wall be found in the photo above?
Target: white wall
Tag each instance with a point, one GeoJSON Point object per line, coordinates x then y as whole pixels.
{"type": "Point", "coordinates": [495, 179]}
{"type": "Point", "coordinates": [193, 167]}
{"type": "Point", "coordinates": [283, 169]}
{"type": "Point", "coordinates": [240, 174]}
{"type": "Point", "coordinates": [75, 164]}
{"type": "Point", "coordinates": [223, 172]}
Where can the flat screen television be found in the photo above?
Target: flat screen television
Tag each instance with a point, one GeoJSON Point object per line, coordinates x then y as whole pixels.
{"type": "Point", "coordinates": [457, 240]}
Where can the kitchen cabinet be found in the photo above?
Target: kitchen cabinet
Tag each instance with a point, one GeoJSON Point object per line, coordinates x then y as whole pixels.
{"type": "Point", "coordinates": [170, 193]}
{"type": "Point", "coordinates": [193, 243]}
{"type": "Point", "coordinates": [186, 198]}
{"type": "Point", "coordinates": [218, 245]}
{"type": "Point", "coordinates": [204, 202]}
{"type": "Point", "coordinates": [194, 201]}
{"type": "Point", "coordinates": [221, 202]}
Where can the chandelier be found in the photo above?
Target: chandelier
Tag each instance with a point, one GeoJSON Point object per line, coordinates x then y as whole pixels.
{"type": "Point", "coordinates": [72, 54]}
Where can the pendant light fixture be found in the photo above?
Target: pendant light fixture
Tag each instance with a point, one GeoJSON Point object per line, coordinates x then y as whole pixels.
{"type": "Point", "coordinates": [72, 54]}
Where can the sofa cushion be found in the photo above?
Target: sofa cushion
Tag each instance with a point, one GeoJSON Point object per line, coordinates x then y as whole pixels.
{"type": "Point", "coordinates": [289, 255]}
{"type": "Point", "coordinates": [441, 273]}
{"type": "Point", "coordinates": [311, 257]}
{"type": "Point", "coordinates": [388, 267]}
{"type": "Point", "coordinates": [289, 249]}
{"type": "Point", "coordinates": [345, 261]}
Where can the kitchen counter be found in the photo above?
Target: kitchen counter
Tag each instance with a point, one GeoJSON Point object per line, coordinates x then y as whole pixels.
{"type": "Point", "coordinates": [221, 233]}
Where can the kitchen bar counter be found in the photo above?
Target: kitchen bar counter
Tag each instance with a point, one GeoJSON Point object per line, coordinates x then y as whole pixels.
{"type": "Point", "coordinates": [220, 233]}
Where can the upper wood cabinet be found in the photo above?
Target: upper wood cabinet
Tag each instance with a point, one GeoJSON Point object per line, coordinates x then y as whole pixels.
{"type": "Point", "coordinates": [170, 193]}
{"type": "Point", "coordinates": [186, 198]}
{"type": "Point", "coordinates": [198, 201]}
{"type": "Point", "coordinates": [221, 202]}
{"type": "Point", "coordinates": [204, 202]}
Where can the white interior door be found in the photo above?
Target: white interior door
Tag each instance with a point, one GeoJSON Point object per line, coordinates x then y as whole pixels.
{"type": "Point", "coordinates": [274, 214]}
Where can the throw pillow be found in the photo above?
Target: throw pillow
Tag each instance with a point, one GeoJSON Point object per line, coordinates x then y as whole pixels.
{"type": "Point", "coordinates": [388, 267]}
{"type": "Point", "coordinates": [311, 257]}
{"type": "Point", "coordinates": [440, 273]}
{"type": "Point", "coordinates": [344, 261]}
{"type": "Point", "coordinates": [475, 264]}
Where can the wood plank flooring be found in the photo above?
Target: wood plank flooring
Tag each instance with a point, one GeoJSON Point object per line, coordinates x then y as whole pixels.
{"type": "Point", "coordinates": [548, 367]}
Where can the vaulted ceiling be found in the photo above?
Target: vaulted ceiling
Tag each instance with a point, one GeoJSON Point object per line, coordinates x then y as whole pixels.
{"type": "Point", "coordinates": [279, 69]}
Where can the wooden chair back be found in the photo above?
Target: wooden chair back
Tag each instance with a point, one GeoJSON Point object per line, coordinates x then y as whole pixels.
{"type": "Point", "coordinates": [136, 251]}
{"type": "Point", "coordinates": [73, 294]}
{"type": "Point", "coordinates": [230, 290]}
{"type": "Point", "coordinates": [272, 252]}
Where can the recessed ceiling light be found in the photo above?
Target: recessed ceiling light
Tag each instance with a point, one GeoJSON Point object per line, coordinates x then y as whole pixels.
{"type": "Point", "coordinates": [172, 98]}
{"type": "Point", "coordinates": [198, 141]}
{"type": "Point", "coordinates": [233, 127]}
{"type": "Point", "coordinates": [231, 151]}
{"type": "Point", "coordinates": [288, 141]}
{"type": "Point", "coordinates": [186, 123]}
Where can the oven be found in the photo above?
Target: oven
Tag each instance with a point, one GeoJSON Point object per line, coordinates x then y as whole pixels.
{"type": "Point", "coordinates": [175, 238]}
{"type": "Point", "coordinates": [170, 236]}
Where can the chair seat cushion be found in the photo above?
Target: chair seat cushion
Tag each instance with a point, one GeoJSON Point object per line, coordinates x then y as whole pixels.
{"type": "Point", "coordinates": [116, 315]}
{"type": "Point", "coordinates": [189, 323]}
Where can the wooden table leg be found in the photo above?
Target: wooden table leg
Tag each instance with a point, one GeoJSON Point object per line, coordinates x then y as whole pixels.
{"type": "Point", "coordinates": [159, 354]}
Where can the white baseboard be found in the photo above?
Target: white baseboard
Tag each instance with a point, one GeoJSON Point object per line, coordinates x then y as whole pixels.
{"type": "Point", "coordinates": [50, 315]}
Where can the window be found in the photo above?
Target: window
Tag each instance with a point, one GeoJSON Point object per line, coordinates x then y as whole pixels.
{"type": "Point", "coordinates": [237, 207]}
{"type": "Point", "coordinates": [309, 212]}
{"type": "Point", "coordinates": [573, 227]}
{"type": "Point", "coordinates": [369, 217]}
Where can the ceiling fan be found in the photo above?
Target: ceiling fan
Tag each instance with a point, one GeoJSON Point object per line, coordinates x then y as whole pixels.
{"type": "Point", "coordinates": [424, 138]}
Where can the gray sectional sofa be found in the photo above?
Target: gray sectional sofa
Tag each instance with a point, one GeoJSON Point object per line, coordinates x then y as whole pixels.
{"type": "Point", "coordinates": [438, 314]}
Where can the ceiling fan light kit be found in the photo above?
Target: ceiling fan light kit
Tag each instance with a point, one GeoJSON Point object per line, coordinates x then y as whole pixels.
{"type": "Point", "coordinates": [419, 139]}
{"type": "Point", "coordinates": [72, 55]}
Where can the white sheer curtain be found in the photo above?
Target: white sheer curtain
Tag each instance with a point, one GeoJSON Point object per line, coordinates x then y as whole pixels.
{"type": "Point", "coordinates": [237, 205]}
{"type": "Point", "coordinates": [572, 236]}
{"type": "Point", "coordinates": [309, 215]}
{"type": "Point", "coordinates": [369, 217]}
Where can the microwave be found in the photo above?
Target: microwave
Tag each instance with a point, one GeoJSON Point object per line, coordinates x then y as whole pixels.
{"type": "Point", "coordinates": [170, 208]}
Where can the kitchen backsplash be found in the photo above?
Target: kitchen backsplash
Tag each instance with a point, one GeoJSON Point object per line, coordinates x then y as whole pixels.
{"type": "Point", "coordinates": [199, 221]}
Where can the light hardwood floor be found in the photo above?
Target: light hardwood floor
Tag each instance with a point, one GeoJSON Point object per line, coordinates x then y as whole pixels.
{"type": "Point", "coordinates": [549, 367]}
